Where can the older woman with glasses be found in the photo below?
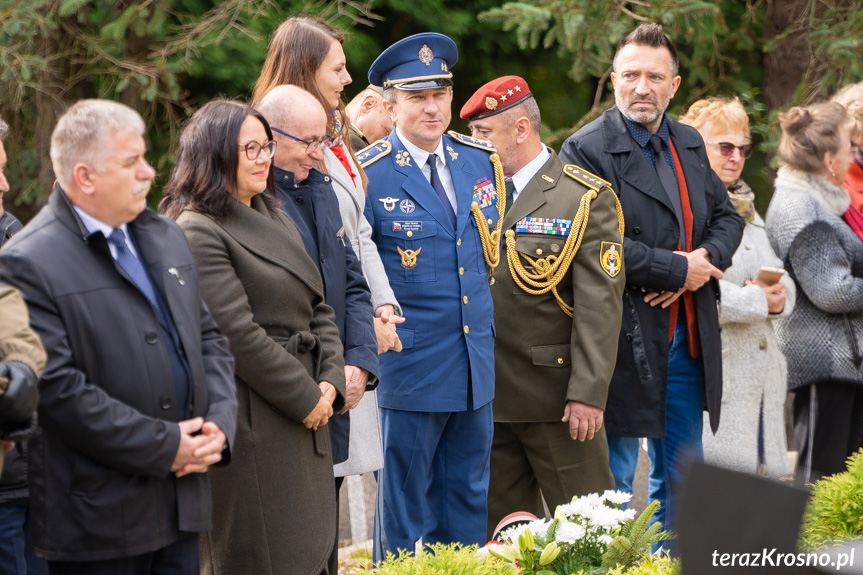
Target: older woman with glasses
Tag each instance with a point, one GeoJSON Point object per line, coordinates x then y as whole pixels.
{"type": "Point", "coordinates": [851, 97]}
{"type": "Point", "coordinates": [751, 437]}
{"type": "Point", "coordinates": [823, 337]}
{"type": "Point", "coordinates": [272, 512]}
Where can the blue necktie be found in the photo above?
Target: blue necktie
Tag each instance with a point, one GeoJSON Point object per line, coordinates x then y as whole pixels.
{"type": "Point", "coordinates": [438, 188]}
{"type": "Point", "coordinates": [133, 266]}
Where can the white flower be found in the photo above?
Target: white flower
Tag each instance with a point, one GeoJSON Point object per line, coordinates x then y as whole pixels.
{"type": "Point", "coordinates": [605, 539]}
{"type": "Point", "coordinates": [628, 514]}
{"type": "Point", "coordinates": [617, 497]}
{"type": "Point", "coordinates": [539, 527]}
{"type": "Point", "coordinates": [568, 532]}
{"type": "Point", "coordinates": [605, 517]}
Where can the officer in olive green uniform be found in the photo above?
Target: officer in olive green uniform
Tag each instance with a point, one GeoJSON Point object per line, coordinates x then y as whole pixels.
{"type": "Point", "coordinates": [557, 309]}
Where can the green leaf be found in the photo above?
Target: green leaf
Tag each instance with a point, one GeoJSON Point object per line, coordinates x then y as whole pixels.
{"type": "Point", "coordinates": [69, 7]}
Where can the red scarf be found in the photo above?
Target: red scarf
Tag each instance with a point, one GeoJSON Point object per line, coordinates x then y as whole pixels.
{"type": "Point", "coordinates": [688, 300]}
{"type": "Point", "coordinates": [854, 185]}
{"type": "Point", "coordinates": [339, 152]}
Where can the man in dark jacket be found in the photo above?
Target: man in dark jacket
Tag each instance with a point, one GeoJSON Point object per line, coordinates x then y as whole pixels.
{"type": "Point", "coordinates": [681, 231]}
{"type": "Point", "coordinates": [16, 552]}
{"type": "Point", "coordinates": [137, 396]}
{"type": "Point", "coordinates": [309, 199]}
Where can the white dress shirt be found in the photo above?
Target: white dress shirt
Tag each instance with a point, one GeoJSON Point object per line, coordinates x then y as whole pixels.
{"type": "Point", "coordinates": [94, 225]}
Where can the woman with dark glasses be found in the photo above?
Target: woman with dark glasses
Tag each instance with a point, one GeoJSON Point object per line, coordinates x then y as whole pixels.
{"type": "Point", "coordinates": [852, 98]}
{"type": "Point", "coordinates": [271, 507]}
{"type": "Point", "coordinates": [752, 435]}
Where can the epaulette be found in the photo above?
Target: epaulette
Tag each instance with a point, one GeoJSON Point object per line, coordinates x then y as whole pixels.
{"type": "Point", "coordinates": [582, 176]}
{"type": "Point", "coordinates": [475, 142]}
{"type": "Point", "coordinates": [373, 152]}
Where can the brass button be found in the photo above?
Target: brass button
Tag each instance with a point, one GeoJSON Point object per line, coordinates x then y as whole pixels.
{"type": "Point", "coordinates": [466, 329]}
{"type": "Point", "coordinates": [410, 234]}
{"type": "Point", "coordinates": [461, 271]}
{"type": "Point", "coordinates": [539, 251]}
{"type": "Point", "coordinates": [560, 361]}
{"type": "Point", "coordinates": [458, 243]}
{"type": "Point", "coordinates": [491, 282]}
{"type": "Point", "coordinates": [464, 299]}
{"type": "Point", "coordinates": [489, 221]}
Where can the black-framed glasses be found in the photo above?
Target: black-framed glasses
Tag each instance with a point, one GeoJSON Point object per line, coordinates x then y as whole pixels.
{"type": "Point", "coordinates": [857, 155]}
{"type": "Point", "coordinates": [727, 148]}
{"type": "Point", "coordinates": [311, 147]}
{"type": "Point", "coordinates": [254, 149]}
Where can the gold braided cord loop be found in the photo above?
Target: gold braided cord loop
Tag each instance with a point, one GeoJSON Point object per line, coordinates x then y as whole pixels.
{"type": "Point", "coordinates": [548, 272]}
{"type": "Point", "coordinates": [491, 240]}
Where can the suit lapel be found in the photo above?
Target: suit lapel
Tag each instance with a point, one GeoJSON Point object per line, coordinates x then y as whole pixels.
{"type": "Point", "coordinates": [417, 186]}
{"type": "Point", "coordinates": [259, 231]}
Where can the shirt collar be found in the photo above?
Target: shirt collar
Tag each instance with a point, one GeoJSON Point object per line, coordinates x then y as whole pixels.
{"type": "Point", "coordinates": [522, 177]}
{"type": "Point", "coordinates": [420, 156]}
{"type": "Point", "coordinates": [642, 135]}
{"type": "Point", "coordinates": [94, 225]}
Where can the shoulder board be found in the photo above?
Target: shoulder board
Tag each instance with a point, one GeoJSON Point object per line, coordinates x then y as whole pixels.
{"type": "Point", "coordinates": [475, 142]}
{"type": "Point", "coordinates": [374, 152]}
{"type": "Point", "coordinates": [582, 176]}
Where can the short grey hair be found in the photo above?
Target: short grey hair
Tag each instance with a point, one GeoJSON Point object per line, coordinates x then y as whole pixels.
{"type": "Point", "coordinates": [4, 130]}
{"type": "Point", "coordinates": [282, 104]}
{"type": "Point", "coordinates": [82, 135]}
{"type": "Point", "coordinates": [527, 108]}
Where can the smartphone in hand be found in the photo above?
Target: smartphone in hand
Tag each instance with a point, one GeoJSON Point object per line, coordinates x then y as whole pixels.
{"type": "Point", "coordinates": [768, 275]}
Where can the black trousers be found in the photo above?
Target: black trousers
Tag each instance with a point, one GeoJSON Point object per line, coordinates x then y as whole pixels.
{"type": "Point", "coordinates": [837, 424]}
{"type": "Point", "coordinates": [181, 557]}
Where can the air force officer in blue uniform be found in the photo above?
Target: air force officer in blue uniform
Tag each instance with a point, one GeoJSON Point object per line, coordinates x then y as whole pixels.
{"type": "Point", "coordinates": [435, 396]}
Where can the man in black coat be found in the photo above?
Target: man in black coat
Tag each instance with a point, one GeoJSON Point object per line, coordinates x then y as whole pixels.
{"type": "Point", "coordinates": [137, 397]}
{"type": "Point", "coordinates": [681, 231]}
{"type": "Point", "coordinates": [309, 199]}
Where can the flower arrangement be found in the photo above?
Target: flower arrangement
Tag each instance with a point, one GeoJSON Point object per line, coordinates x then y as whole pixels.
{"type": "Point", "coordinates": [591, 535]}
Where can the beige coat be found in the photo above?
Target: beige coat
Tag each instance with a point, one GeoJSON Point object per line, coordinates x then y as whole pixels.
{"type": "Point", "coordinates": [274, 506]}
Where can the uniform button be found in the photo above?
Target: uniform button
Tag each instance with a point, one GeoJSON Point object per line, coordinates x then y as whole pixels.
{"type": "Point", "coordinates": [464, 299]}
{"type": "Point", "coordinates": [151, 337]}
{"type": "Point", "coordinates": [461, 271]}
{"type": "Point", "coordinates": [489, 221]}
{"type": "Point", "coordinates": [560, 361]}
{"type": "Point", "coordinates": [165, 402]}
{"type": "Point", "coordinates": [410, 234]}
{"type": "Point", "coordinates": [458, 243]}
{"type": "Point", "coordinates": [299, 201]}
{"type": "Point", "coordinates": [636, 230]}
{"type": "Point", "coordinates": [466, 329]}
{"type": "Point", "coordinates": [539, 251]}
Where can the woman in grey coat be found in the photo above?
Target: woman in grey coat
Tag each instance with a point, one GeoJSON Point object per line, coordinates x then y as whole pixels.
{"type": "Point", "coordinates": [274, 506]}
{"type": "Point", "coordinates": [823, 337]}
{"type": "Point", "coordinates": [752, 433]}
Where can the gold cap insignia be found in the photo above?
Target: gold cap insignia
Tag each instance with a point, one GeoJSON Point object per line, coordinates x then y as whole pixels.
{"type": "Point", "coordinates": [426, 55]}
{"type": "Point", "coordinates": [490, 103]}
{"type": "Point", "coordinates": [611, 258]}
{"type": "Point", "coordinates": [409, 257]}
{"type": "Point", "coordinates": [443, 67]}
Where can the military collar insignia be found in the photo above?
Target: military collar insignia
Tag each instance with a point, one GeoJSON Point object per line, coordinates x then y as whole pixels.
{"type": "Point", "coordinates": [548, 179]}
{"type": "Point", "coordinates": [371, 154]}
{"type": "Point", "coordinates": [389, 203]}
{"type": "Point", "coordinates": [403, 158]}
{"type": "Point", "coordinates": [409, 257]}
{"type": "Point", "coordinates": [611, 257]}
{"type": "Point", "coordinates": [585, 178]}
{"type": "Point", "coordinates": [473, 142]}
{"type": "Point", "coordinates": [426, 55]}
{"type": "Point", "coordinates": [452, 153]}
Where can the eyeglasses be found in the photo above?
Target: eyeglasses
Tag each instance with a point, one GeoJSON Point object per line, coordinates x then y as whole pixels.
{"type": "Point", "coordinates": [254, 149]}
{"type": "Point", "coordinates": [857, 155]}
{"type": "Point", "coordinates": [727, 148]}
{"type": "Point", "coordinates": [311, 147]}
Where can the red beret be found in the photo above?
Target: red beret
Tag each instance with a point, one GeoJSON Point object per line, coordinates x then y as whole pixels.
{"type": "Point", "coordinates": [495, 97]}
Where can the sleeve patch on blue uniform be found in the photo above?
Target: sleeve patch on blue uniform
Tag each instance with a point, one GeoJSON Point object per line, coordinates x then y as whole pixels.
{"type": "Point", "coordinates": [547, 226]}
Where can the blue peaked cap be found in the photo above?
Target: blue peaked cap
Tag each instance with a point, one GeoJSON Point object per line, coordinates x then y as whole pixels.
{"type": "Point", "coordinates": [417, 62]}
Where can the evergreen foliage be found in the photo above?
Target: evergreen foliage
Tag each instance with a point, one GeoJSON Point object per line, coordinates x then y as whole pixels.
{"type": "Point", "coordinates": [835, 511]}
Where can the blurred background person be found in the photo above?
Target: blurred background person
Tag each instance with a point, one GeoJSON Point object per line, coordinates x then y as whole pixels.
{"type": "Point", "coordinates": [852, 98]}
{"type": "Point", "coordinates": [369, 122]}
{"type": "Point", "coordinates": [754, 378]}
{"type": "Point", "coordinates": [9, 224]}
{"type": "Point", "coordinates": [823, 336]}
{"type": "Point", "coordinates": [271, 513]}
{"type": "Point", "coordinates": [16, 550]}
